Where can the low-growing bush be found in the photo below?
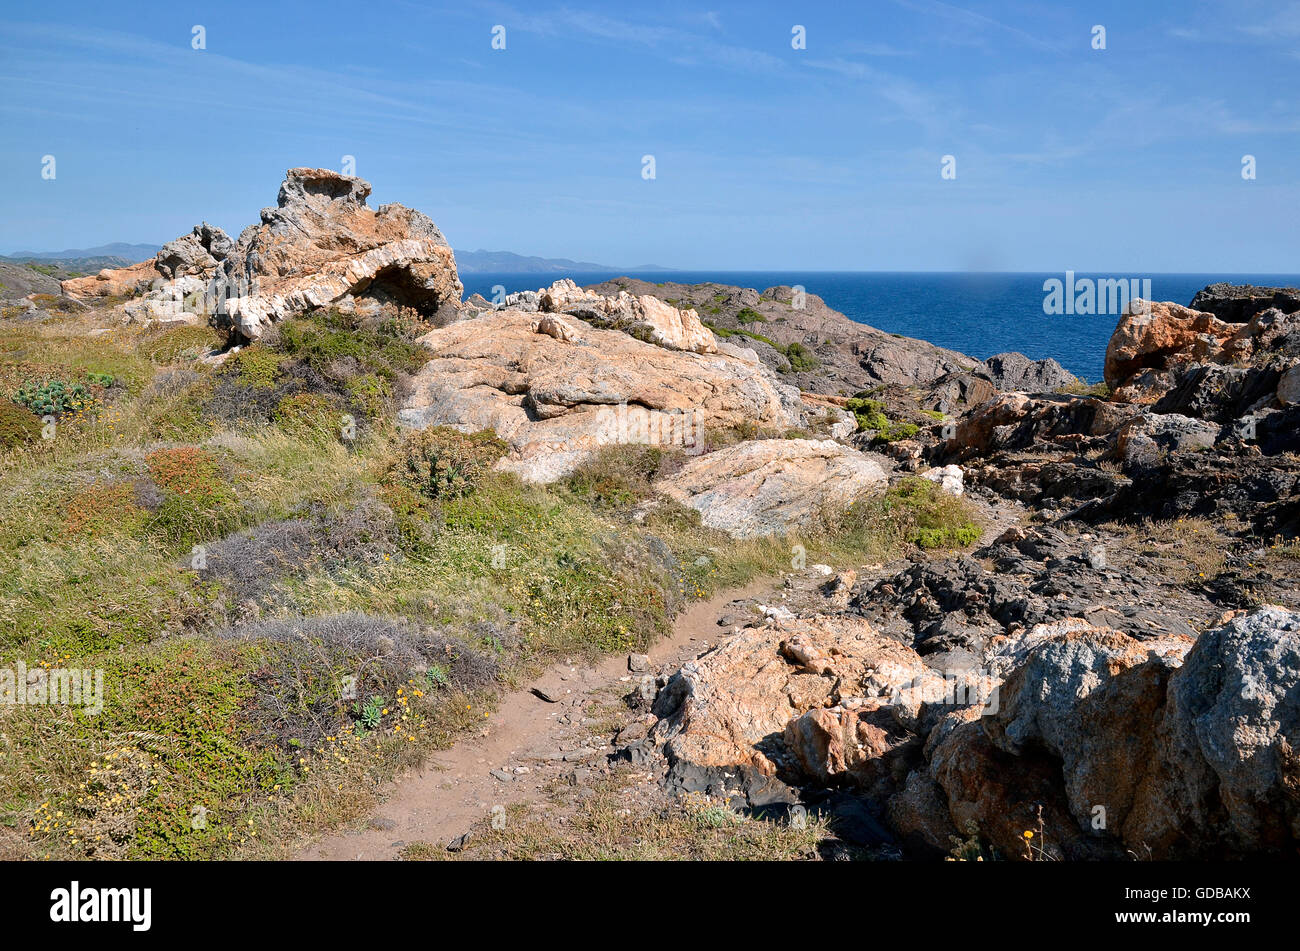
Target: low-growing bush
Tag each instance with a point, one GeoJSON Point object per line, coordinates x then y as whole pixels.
{"type": "Point", "coordinates": [249, 564]}
{"type": "Point", "coordinates": [913, 511]}
{"type": "Point", "coordinates": [104, 508]}
{"type": "Point", "coordinates": [441, 462]}
{"type": "Point", "coordinates": [197, 500]}
{"type": "Point", "coordinates": [621, 475]}
{"type": "Point", "coordinates": [18, 425]}
{"type": "Point", "coordinates": [318, 674]}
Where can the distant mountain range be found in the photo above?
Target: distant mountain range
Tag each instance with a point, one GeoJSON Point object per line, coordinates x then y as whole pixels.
{"type": "Point", "coordinates": [507, 262]}
{"type": "Point", "coordinates": [118, 249]}
{"type": "Point", "coordinates": [119, 254]}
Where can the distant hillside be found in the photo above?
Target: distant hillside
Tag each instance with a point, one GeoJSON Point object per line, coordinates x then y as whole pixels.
{"type": "Point", "coordinates": [507, 262]}
{"type": "Point", "coordinates": [130, 253]}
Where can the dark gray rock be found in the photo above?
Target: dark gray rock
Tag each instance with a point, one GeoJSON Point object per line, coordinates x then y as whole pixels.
{"type": "Point", "coordinates": [1238, 303]}
{"type": "Point", "coordinates": [1015, 371]}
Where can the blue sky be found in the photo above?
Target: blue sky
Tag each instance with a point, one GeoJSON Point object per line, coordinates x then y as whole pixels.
{"type": "Point", "coordinates": [1122, 160]}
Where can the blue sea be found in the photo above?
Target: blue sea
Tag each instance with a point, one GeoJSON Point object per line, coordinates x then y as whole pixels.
{"type": "Point", "coordinates": [979, 314]}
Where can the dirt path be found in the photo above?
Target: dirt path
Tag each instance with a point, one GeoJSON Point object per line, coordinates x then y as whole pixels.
{"type": "Point", "coordinates": [527, 743]}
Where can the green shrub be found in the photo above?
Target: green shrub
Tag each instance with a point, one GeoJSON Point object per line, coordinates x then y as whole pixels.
{"type": "Point", "coordinates": [441, 462]}
{"type": "Point", "coordinates": [53, 397]}
{"type": "Point", "coordinates": [197, 501]}
{"type": "Point", "coordinates": [869, 413]}
{"type": "Point", "coordinates": [309, 413]}
{"type": "Point", "coordinates": [914, 511]}
{"type": "Point", "coordinates": [621, 475]}
{"type": "Point", "coordinates": [800, 357]}
{"type": "Point", "coordinates": [747, 315]}
{"type": "Point", "coordinates": [255, 366]}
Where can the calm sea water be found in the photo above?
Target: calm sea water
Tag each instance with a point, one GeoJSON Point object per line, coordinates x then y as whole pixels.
{"type": "Point", "coordinates": [979, 314]}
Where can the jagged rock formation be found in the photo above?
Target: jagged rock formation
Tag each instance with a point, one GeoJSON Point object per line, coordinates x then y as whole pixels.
{"type": "Point", "coordinates": [197, 253]}
{"type": "Point", "coordinates": [320, 244]}
{"type": "Point", "coordinates": [1015, 371]}
{"type": "Point", "coordinates": [774, 486]}
{"type": "Point", "coordinates": [557, 388]}
{"type": "Point", "coordinates": [1238, 303]}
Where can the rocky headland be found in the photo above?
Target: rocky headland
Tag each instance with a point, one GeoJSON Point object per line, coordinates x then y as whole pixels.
{"type": "Point", "coordinates": [1107, 655]}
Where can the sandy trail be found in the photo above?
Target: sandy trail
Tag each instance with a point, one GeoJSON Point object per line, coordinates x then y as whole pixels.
{"type": "Point", "coordinates": [456, 788]}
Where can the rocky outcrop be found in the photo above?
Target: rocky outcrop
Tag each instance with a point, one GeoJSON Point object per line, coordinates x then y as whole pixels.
{"type": "Point", "coordinates": [114, 282]}
{"type": "Point", "coordinates": [556, 389]}
{"type": "Point", "coordinates": [322, 242]}
{"type": "Point", "coordinates": [1162, 751]}
{"type": "Point", "coordinates": [319, 245]}
{"type": "Point", "coordinates": [839, 355]}
{"type": "Point", "coordinates": [1154, 339]}
{"type": "Point", "coordinates": [644, 317]}
{"type": "Point", "coordinates": [197, 253]}
{"type": "Point", "coordinates": [1015, 371]}
{"type": "Point", "coordinates": [773, 486]}
{"type": "Point", "coordinates": [743, 703]}
{"type": "Point", "coordinates": [1238, 303]}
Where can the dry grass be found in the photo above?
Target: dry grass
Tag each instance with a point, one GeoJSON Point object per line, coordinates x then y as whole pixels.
{"type": "Point", "coordinates": [613, 822]}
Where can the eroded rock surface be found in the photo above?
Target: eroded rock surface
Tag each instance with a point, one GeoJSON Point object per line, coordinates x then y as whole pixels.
{"type": "Point", "coordinates": [556, 388]}
{"type": "Point", "coordinates": [774, 486]}
{"type": "Point", "coordinates": [320, 244]}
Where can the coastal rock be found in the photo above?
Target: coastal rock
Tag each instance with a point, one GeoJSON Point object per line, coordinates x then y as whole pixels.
{"type": "Point", "coordinates": [1176, 749]}
{"type": "Point", "coordinates": [644, 317]}
{"type": "Point", "coordinates": [1017, 421]}
{"type": "Point", "coordinates": [1228, 775]}
{"type": "Point", "coordinates": [730, 706]}
{"type": "Point", "coordinates": [1157, 338]}
{"type": "Point", "coordinates": [197, 253]}
{"type": "Point", "coordinates": [1015, 371]}
{"type": "Point", "coordinates": [950, 478]}
{"type": "Point", "coordinates": [772, 486]}
{"type": "Point", "coordinates": [1238, 303]}
{"type": "Point", "coordinates": [556, 389]}
{"type": "Point", "coordinates": [846, 356]}
{"type": "Point", "coordinates": [1288, 387]}
{"type": "Point", "coordinates": [321, 244]}
{"type": "Point", "coordinates": [114, 282]}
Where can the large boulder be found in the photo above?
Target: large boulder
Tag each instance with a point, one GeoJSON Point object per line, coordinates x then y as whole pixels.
{"type": "Point", "coordinates": [1227, 778]}
{"type": "Point", "coordinates": [782, 698]}
{"type": "Point", "coordinates": [197, 253]}
{"type": "Point", "coordinates": [1151, 340]}
{"type": "Point", "coordinates": [773, 486]}
{"type": "Point", "coordinates": [1167, 748]}
{"type": "Point", "coordinates": [556, 388]}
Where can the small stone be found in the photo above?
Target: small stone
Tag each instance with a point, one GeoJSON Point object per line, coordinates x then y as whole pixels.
{"type": "Point", "coordinates": [638, 663]}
